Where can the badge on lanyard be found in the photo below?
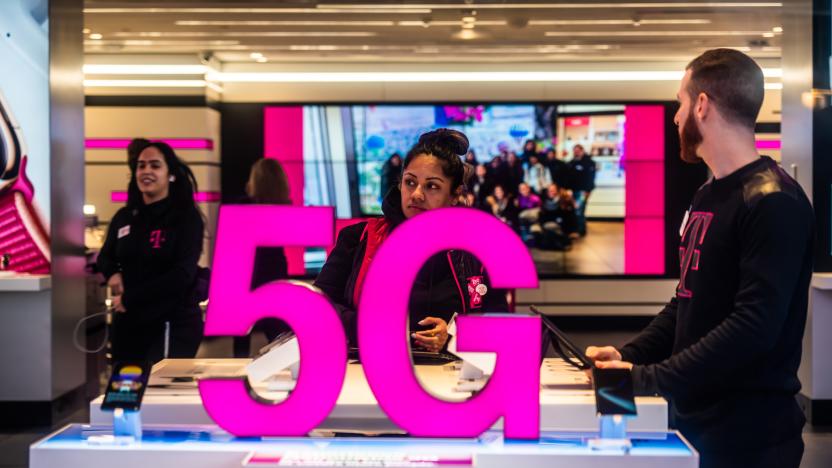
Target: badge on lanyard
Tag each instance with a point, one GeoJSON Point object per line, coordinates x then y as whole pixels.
{"type": "Point", "coordinates": [124, 231]}
{"type": "Point", "coordinates": [476, 290]}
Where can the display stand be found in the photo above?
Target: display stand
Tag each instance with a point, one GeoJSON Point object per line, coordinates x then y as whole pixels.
{"type": "Point", "coordinates": [269, 367]}
{"type": "Point", "coordinates": [612, 434]}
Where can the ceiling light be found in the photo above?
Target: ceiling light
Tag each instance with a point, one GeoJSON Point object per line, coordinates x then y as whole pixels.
{"type": "Point", "coordinates": [342, 77]}
{"type": "Point", "coordinates": [150, 42]}
{"type": "Point", "coordinates": [768, 34]}
{"type": "Point", "coordinates": [615, 22]}
{"type": "Point", "coordinates": [773, 86]}
{"type": "Point", "coordinates": [86, 31]}
{"type": "Point", "coordinates": [256, 55]}
{"type": "Point", "coordinates": [261, 60]}
{"type": "Point", "coordinates": [285, 23]}
{"type": "Point", "coordinates": [144, 83]}
{"type": "Point", "coordinates": [450, 23]}
{"type": "Point", "coordinates": [466, 34]}
{"type": "Point", "coordinates": [96, 37]}
{"type": "Point", "coordinates": [777, 29]}
{"type": "Point", "coordinates": [93, 69]}
{"type": "Point", "coordinates": [248, 34]}
{"type": "Point", "coordinates": [469, 19]}
{"type": "Point", "coordinates": [387, 9]}
{"type": "Point", "coordinates": [650, 33]}
{"type": "Point", "coordinates": [468, 26]}
{"type": "Point", "coordinates": [540, 6]}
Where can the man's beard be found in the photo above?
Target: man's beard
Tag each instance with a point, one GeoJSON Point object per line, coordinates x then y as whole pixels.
{"type": "Point", "coordinates": [690, 139]}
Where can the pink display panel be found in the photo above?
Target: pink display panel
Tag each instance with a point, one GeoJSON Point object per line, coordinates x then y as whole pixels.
{"type": "Point", "coordinates": [644, 192]}
{"type": "Point", "coordinates": [233, 310]}
{"type": "Point", "coordinates": [283, 141]}
{"type": "Point", "coordinates": [175, 143]}
{"type": "Point", "coordinates": [201, 197]}
{"type": "Point", "coordinates": [512, 392]}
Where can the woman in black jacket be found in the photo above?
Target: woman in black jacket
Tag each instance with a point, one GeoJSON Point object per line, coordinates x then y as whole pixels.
{"type": "Point", "coordinates": [150, 261]}
{"type": "Point", "coordinates": [432, 177]}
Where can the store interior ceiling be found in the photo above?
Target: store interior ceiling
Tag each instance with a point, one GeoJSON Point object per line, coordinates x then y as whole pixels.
{"type": "Point", "coordinates": [443, 31]}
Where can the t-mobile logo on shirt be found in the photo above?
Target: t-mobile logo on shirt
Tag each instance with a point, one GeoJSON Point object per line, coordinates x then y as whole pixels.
{"type": "Point", "coordinates": [692, 238]}
{"type": "Point", "coordinates": [157, 238]}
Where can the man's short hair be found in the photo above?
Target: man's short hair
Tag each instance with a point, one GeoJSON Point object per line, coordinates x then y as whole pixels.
{"type": "Point", "coordinates": [732, 80]}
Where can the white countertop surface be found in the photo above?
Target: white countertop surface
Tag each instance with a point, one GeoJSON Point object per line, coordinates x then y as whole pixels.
{"type": "Point", "coordinates": [21, 282]}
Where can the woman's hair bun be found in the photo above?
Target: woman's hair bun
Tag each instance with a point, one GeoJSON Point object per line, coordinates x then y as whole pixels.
{"type": "Point", "coordinates": [448, 139]}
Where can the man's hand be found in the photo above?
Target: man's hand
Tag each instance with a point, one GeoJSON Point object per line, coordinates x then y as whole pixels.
{"type": "Point", "coordinates": [602, 353]}
{"type": "Point", "coordinates": [614, 365]}
{"type": "Point", "coordinates": [117, 305]}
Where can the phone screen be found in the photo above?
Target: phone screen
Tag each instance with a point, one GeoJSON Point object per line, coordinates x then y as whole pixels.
{"type": "Point", "coordinates": [126, 387]}
{"type": "Point", "coordinates": [614, 391]}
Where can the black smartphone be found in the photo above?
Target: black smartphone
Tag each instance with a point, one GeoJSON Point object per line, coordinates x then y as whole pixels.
{"type": "Point", "coordinates": [127, 385]}
{"type": "Point", "coordinates": [614, 392]}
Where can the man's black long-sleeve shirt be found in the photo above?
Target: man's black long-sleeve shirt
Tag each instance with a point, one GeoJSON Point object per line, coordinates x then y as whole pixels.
{"type": "Point", "coordinates": [725, 351]}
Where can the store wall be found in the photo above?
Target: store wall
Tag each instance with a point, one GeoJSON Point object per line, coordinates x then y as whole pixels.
{"type": "Point", "coordinates": [194, 132]}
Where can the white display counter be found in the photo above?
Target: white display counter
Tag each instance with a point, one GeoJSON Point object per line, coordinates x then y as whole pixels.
{"type": "Point", "coordinates": [567, 402]}
{"type": "Point", "coordinates": [77, 446]}
{"type": "Point", "coordinates": [18, 282]}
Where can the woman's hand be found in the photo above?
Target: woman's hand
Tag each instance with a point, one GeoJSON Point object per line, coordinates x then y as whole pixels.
{"type": "Point", "coordinates": [117, 305]}
{"type": "Point", "coordinates": [435, 338]}
{"type": "Point", "coordinates": [116, 284]}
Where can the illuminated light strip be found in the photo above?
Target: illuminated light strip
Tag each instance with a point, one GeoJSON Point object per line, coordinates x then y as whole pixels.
{"type": "Point", "coordinates": [768, 144]}
{"type": "Point", "coordinates": [774, 86]}
{"type": "Point", "coordinates": [652, 33]}
{"type": "Point", "coordinates": [175, 143]}
{"type": "Point", "coordinates": [93, 69]}
{"type": "Point", "coordinates": [283, 23]}
{"type": "Point", "coordinates": [199, 197]}
{"type": "Point", "coordinates": [353, 77]}
{"type": "Point", "coordinates": [145, 83]}
{"type": "Point", "coordinates": [615, 22]}
{"type": "Point", "coordinates": [385, 9]}
{"type": "Point", "coordinates": [558, 6]}
{"type": "Point", "coordinates": [189, 34]}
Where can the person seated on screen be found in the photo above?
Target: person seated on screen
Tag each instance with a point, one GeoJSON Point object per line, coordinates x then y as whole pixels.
{"type": "Point", "coordinates": [556, 222]}
{"type": "Point", "coordinates": [449, 282]}
{"type": "Point", "coordinates": [502, 206]}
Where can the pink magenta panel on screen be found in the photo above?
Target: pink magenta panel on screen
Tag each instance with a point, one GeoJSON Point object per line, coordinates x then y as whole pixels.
{"type": "Point", "coordinates": [768, 144]}
{"type": "Point", "coordinates": [283, 141]}
{"type": "Point", "coordinates": [512, 391]}
{"type": "Point", "coordinates": [201, 197]}
{"type": "Point", "coordinates": [233, 309]}
{"type": "Point", "coordinates": [175, 143]}
{"type": "Point", "coordinates": [341, 223]}
{"type": "Point", "coordinates": [644, 192]}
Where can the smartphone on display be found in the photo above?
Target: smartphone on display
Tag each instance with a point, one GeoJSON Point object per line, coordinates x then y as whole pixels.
{"type": "Point", "coordinates": [126, 386]}
{"type": "Point", "coordinates": [614, 392]}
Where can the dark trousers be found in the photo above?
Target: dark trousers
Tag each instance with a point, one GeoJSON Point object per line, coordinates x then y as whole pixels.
{"type": "Point", "coordinates": [783, 455]}
{"type": "Point", "coordinates": [179, 338]}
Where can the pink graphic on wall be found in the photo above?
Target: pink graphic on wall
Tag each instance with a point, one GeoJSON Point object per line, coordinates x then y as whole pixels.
{"type": "Point", "coordinates": [512, 392]}
{"type": "Point", "coordinates": [233, 309]}
{"type": "Point", "coordinates": [283, 141]}
{"type": "Point", "coordinates": [24, 238]}
{"type": "Point", "coordinates": [644, 193]}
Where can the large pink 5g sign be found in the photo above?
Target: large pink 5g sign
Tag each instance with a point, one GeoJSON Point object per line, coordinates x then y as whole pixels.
{"type": "Point", "coordinates": [511, 393]}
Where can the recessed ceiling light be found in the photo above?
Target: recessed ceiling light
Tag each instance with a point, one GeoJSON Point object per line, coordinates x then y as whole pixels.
{"type": "Point", "coordinates": [469, 19]}
{"type": "Point", "coordinates": [466, 34]}
{"type": "Point", "coordinates": [256, 55]}
{"type": "Point", "coordinates": [96, 36]}
{"type": "Point", "coordinates": [262, 60]}
{"type": "Point", "coordinates": [768, 34]}
{"type": "Point", "coordinates": [387, 9]}
{"type": "Point", "coordinates": [86, 31]}
{"type": "Point", "coordinates": [286, 23]}
{"type": "Point", "coordinates": [467, 25]}
{"type": "Point", "coordinates": [450, 23]}
{"type": "Point", "coordinates": [777, 29]}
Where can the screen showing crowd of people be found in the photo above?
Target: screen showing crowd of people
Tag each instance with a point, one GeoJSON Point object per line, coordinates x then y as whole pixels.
{"type": "Point", "coordinates": [540, 194]}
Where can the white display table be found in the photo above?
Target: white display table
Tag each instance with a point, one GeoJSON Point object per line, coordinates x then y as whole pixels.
{"type": "Point", "coordinates": [567, 402]}
{"type": "Point", "coordinates": [206, 447]}
{"type": "Point", "coordinates": [18, 282]}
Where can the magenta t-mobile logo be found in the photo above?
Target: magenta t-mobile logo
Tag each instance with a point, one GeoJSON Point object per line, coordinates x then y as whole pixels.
{"type": "Point", "coordinates": [512, 393]}
{"type": "Point", "coordinates": [692, 239]}
{"type": "Point", "coordinates": [157, 238]}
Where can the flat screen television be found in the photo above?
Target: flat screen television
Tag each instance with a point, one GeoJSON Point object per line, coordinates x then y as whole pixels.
{"type": "Point", "coordinates": [335, 155]}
